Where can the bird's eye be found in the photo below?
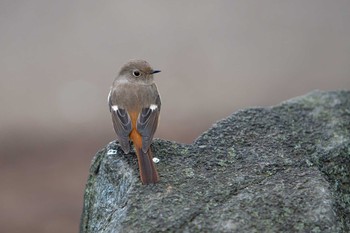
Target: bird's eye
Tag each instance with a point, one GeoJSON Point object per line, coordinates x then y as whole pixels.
{"type": "Point", "coordinates": [136, 73]}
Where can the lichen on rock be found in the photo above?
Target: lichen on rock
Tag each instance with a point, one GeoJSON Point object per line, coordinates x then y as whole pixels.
{"type": "Point", "coordinates": [270, 169]}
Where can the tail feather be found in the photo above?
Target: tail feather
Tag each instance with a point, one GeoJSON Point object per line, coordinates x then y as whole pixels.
{"type": "Point", "coordinates": [148, 171]}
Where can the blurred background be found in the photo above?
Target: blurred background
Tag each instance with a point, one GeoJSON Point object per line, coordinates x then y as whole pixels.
{"type": "Point", "coordinates": [59, 58]}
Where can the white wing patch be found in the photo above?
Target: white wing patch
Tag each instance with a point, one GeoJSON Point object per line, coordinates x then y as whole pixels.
{"type": "Point", "coordinates": [153, 107]}
{"type": "Point", "coordinates": [115, 108]}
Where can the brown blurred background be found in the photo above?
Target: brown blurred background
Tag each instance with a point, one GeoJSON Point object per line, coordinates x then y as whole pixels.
{"type": "Point", "coordinates": [58, 59]}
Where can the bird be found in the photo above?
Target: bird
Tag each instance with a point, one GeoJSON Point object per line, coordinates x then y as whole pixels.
{"type": "Point", "coordinates": [134, 104]}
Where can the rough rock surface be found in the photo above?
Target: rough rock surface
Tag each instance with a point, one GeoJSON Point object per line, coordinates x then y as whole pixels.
{"type": "Point", "coordinates": [273, 169]}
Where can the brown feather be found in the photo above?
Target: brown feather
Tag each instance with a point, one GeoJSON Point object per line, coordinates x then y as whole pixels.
{"type": "Point", "coordinates": [148, 171]}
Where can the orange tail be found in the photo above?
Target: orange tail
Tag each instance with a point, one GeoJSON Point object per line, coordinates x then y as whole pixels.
{"type": "Point", "coordinates": [148, 171]}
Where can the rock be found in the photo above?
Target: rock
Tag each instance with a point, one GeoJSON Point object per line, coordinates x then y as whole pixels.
{"type": "Point", "coordinates": [272, 169]}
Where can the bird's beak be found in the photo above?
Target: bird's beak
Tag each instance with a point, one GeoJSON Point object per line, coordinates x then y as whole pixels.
{"type": "Point", "coordinates": [155, 71]}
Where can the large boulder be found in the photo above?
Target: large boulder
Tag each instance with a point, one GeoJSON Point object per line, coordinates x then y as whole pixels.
{"type": "Point", "coordinates": [270, 169]}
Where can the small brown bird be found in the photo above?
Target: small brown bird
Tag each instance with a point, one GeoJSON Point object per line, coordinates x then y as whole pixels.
{"type": "Point", "coordinates": [134, 103]}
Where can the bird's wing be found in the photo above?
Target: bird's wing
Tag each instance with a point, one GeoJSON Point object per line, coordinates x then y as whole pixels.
{"type": "Point", "coordinates": [122, 125]}
{"type": "Point", "coordinates": [147, 123]}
